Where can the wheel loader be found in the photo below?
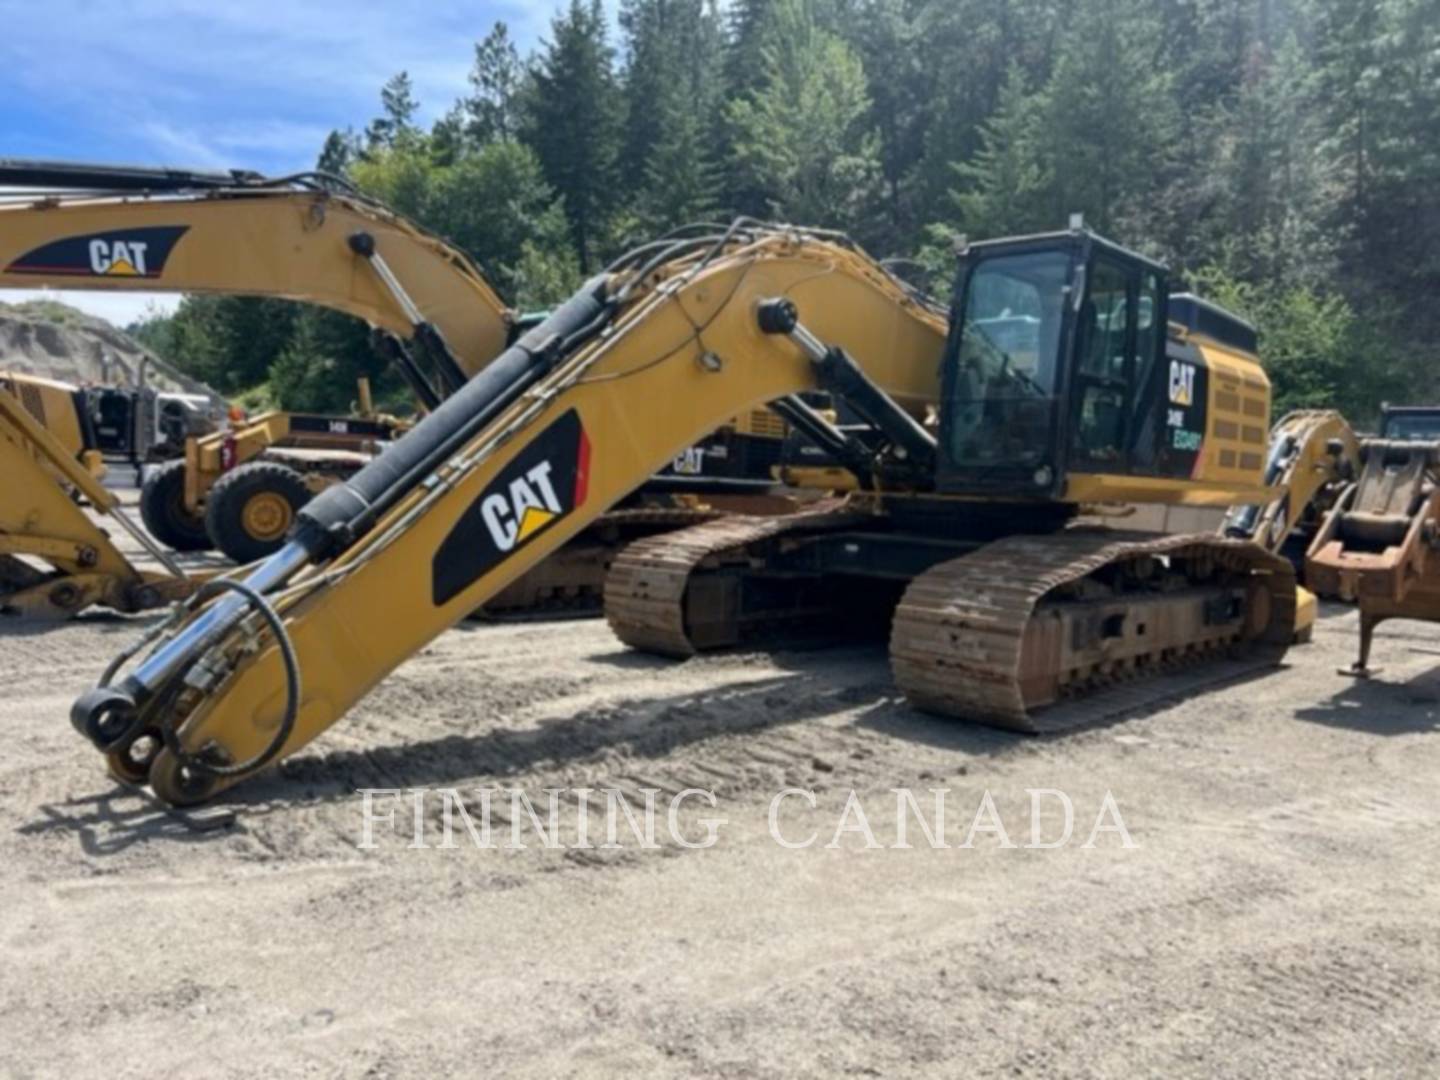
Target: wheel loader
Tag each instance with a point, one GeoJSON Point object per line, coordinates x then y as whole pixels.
{"type": "Point", "coordinates": [963, 541]}
{"type": "Point", "coordinates": [313, 238]}
{"type": "Point", "coordinates": [237, 490]}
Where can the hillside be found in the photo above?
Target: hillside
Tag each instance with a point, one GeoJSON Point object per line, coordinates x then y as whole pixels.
{"type": "Point", "coordinates": [49, 338]}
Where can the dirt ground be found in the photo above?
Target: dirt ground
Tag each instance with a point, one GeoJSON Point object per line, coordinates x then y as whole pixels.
{"type": "Point", "coordinates": [1277, 914]}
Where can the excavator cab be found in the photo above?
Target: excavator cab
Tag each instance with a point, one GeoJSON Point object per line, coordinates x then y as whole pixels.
{"type": "Point", "coordinates": [1052, 365]}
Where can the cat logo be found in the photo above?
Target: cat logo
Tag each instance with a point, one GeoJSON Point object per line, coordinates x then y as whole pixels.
{"type": "Point", "coordinates": [124, 253]}
{"type": "Point", "coordinates": [118, 258]}
{"type": "Point", "coordinates": [1182, 383]}
{"type": "Point", "coordinates": [541, 485]}
{"type": "Point", "coordinates": [529, 505]}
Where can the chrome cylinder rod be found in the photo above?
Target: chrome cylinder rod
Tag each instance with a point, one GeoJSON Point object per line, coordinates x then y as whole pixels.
{"type": "Point", "coordinates": [219, 617]}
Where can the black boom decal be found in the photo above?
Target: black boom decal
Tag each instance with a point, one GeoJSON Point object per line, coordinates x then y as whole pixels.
{"type": "Point", "coordinates": [128, 253]}
{"type": "Point", "coordinates": [544, 483]}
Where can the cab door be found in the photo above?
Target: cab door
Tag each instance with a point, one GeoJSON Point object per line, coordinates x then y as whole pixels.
{"type": "Point", "coordinates": [1103, 378]}
{"type": "Point", "coordinates": [1116, 373]}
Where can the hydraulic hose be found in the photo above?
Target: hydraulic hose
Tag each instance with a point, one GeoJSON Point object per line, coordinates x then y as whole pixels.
{"type": "Point", "coordinates": [291, 661]}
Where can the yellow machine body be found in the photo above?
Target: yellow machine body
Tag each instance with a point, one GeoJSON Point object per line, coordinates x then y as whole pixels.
{"type": "Point", "coordinates": [553, 459]}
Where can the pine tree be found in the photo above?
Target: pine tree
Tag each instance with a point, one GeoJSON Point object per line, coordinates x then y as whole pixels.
{"type": "Point", "coordinates": [1276, 179]}
{"type": "Point", "coordinates": [803, 140]}
{"type": "Point", "coordinates": [885, 35]}
{"type": "Point", "coordinates": [672, 89]}
{"type": "Point", "coordinates": [398, 108]}
{"type": "Point", "coordinates": [1008, 186]}
{"type": "Point", "coordinates": [572, 122]}
{"type": "Point", "coordinates": [495, 80]}
{"type": "Point", "coordinates": [340, 149]}
{"type": "Point", "coordinates": [751, 27]}
{"type": "Point", "coordinates": [1110, 116]}
{"type": "Point", "coordinates": [965, 50]}
{"type": "Point", "coordinates": [1381, 71]}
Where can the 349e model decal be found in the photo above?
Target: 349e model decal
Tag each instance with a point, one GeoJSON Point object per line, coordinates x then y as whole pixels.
{"type": "Point", "coordinates": [545, 482]}
{"type": "Point", "coordinates": [128, 253]}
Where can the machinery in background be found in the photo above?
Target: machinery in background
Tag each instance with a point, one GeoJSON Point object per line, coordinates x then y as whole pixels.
{"type": "Point", "coordinates": [55, 560]}
{"type": "Point", "coordinates": [1314, 456]}
{"type": "Point", "coordinates": [112, 423]}
{"type": "Point", "coordinates": [961, 541]}
{"type": "Point", "coordinates": [1380, 545]}
{"type": "Point", "coordinates": [238, 490]}
{"type": "Point", "coordinates": [147, 426]}
{"type": "Point", "coordinates": [314, 238]}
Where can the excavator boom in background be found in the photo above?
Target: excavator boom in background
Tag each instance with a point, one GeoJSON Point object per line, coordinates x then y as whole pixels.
{"type": "Point", "coordinates": [308, 238]}
{"type": "Point", "coordinates": [313, 238]}
{"type": "Point", "coordinates": [1066, 375]}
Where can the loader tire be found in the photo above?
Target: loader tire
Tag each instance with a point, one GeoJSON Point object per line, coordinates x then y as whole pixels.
{"type": "Point", "coordinates": [250, 509]}
{"type": "Point", "coordinates": [162, 509]}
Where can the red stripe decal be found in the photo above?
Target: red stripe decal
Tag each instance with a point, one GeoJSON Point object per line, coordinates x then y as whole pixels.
{"type": "Point", "coordinates": [582, 470]}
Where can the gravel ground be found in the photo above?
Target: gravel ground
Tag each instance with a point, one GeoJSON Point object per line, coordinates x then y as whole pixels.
{"type": "Point", "coordinates": [1276, 914]}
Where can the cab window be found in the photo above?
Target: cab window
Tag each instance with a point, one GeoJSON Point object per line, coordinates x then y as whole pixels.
{"type": "Point", "coordinates": [1106, 333]}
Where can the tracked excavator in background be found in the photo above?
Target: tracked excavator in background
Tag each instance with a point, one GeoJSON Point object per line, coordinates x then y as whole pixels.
{"type": "Point", "coordinates": [1380, 544]}
{"type": "Point", "coordinates": [315, 239]}
{"type": "Point", "coordinates": [1065, 374]}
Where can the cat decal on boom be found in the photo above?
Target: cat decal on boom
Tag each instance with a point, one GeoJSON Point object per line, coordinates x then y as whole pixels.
{"type": "Point", "coordinates": [135, 253]}
{"type": "Point", "coordinates": [541, 486]}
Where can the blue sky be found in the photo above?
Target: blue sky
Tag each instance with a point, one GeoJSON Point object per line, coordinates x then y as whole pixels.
{"type": "Point", "coordinates": [220, 83]}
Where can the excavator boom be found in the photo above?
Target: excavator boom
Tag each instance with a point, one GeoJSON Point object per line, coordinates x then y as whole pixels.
{"type": "Point", "coordinates": [561, 426]}
{"type": "Point", "coordinates": [40, 522]}
{"type": "Point", "coordinates": [298, 238]}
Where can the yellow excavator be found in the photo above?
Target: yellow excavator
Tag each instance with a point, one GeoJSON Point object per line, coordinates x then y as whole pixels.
{"type": "Point", "coordinates": [306, 238]}
{"type": "Point", "coordinates": [1065, 374]}
{"type": "Point", "coordinates": [314, 239]}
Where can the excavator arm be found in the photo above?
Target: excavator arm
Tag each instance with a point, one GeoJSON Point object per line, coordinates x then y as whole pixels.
{"type": "Point", "coordinates": [1313, 454]}
{"type": "Point", "coordinates": [306, 238]}
{"type": "Point", "coordinates": [635, 367]}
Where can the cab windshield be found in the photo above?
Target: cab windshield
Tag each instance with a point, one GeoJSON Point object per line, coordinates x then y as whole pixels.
{"type": "Point", "coordinates": [1006, 356]}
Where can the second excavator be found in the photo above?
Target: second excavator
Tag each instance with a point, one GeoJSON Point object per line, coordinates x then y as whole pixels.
{"type": "Point", "coordinates": [1066, 374]}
